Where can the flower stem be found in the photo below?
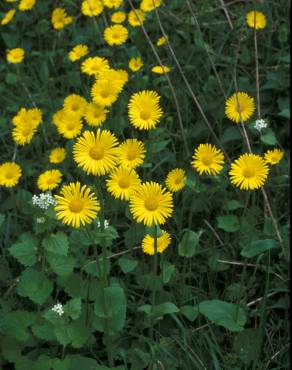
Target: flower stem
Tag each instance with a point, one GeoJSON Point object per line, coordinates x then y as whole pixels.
{"type": "Point", "coordinates": [153, 298]}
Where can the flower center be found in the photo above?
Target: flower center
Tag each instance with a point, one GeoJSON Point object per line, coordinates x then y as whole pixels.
{"type": "Point", "coordinates": [26, 131]}
{"type": "Point", "coordinates": [248, 172]}
{"type": "Point", "coordinates": [9, 175]}
{"type": "Point", "coordinates": [151, 204]}
{"type": "Point", "coordinates": [75, 107]}
{"type": "Point", "coordinates": [132, 154]}
{"type": "Point", "coordinates": [177, 180]}
{"type": "Point", "coordinates": [96, 152]}
{"type": "Point", "coordinates": [105, 93]}
{"type": "Point", "coordinates": [115, 35]}
{"type": "Point", "coordinates": [71, 126]}
{"type": "Point", "coordinates": [207, 160]}
{"type": "Point", "coordinates": [145, 114]}
{"type": "Point", "coordinates": [50, 180]}
{"type": "Point", "coordinates": [124, 183]}
{"type": "Point", "coordinates": [76, 205]}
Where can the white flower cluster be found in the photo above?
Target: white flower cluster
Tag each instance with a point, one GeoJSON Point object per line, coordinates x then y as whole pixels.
{"type": "Point", "coordinates": [260, 124]}
{"type": "Point", "coordinates": [40, 220]}
{"type": "Point", "coordinates": [58, 308]}
{"type": "Point", "coordinates": [44, 200]}
{"type": "Point", "coordinates": [106, 224]}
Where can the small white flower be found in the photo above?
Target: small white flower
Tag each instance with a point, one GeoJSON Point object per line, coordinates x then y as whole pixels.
{"type": "Point", "coordinates": [260, 124]}
{"type": "Point", "coordinates": [44, 200]}
{"type": "Point", "coordinates": [58, 308]}
{"type": "Point", "coordinates": [40, 220]}
{"type": "Point", "coordinates": [106, 224]}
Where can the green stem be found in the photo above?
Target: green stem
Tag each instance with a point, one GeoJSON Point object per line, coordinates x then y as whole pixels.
{"type": "Point", "coordinates": [153, 298]}
{"type": "Point", "coordinates": [105, 282]}
{"type": "Point", "coordinates": [242, 278]}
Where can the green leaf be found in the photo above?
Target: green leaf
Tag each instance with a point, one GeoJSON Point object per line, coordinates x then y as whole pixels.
{"type": "Point", "coordinates": [167, 271]}
{"type": "Point", "coordinates": [232, 205]}
{"type": "Point", "coordinates": [164, 309]}
{"type": "Point", "coordinates": [246, 345]}
{"type": "Point", "coordinates": [63, 335]}
{"type": "Point", "coordinates": [17, 323]}
{"type": "Point", "coordinates": [44, 331]}
{"type": "Point", "coordinates": [190, 312]}
{"type": "Point", "coordinates": [2, 219]}
{"type": "Point", "coordinates": [188, 245]}
{"type": "Point", "coordinates": [61, 265]}
{"type": "Point", "coordinates": [11, 78]}
{"type": "Point", "coordinates": [34, 285]}
{"type": "Point", "coordinates": [56, 243]}
{"type": "Point", "coordinates": [73, 308]}
{"type": "Point", "coordinates": [25, 249]}
{"type": "Point", "coordinates": [269, 137]}
{"type": "Point", "coordinates": [224, 314]}
{"type": "Point", "coordinates": [257, 247]}
{"type": "Point", "coordinates": [127, 264]}
{"type": "Point", "coordinates": [228, 223]}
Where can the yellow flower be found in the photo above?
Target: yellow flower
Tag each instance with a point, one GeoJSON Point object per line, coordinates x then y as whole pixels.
{"type": "Point", "coordinates": [176, 179]}
{"type": "Point", "coordinates": [131, 153]}
{"type": "Point", "coordinates": [144, 110]}
{"type": "Point", "coordinates": [92, 8]}
{"type": "Point", "coordinates": [10, 174]}
{"type": "Point", "coordinates": [8, 17]}
{"type": "Point", "coordinates": [15, 55]}
{"type": "Point", "coordinates": [151, 204]}
{"type": "Point", "coordinates": [112, 3]}
{"type": "Point", "coordinates": [35, 115]}
{"type": "Point", "coordinates": [160, 70]}
{"type": "Point", "coordinates": [149, 5]}
{"type": "Point", "coordinates": [75, 104]}
{"type": "Point", "coordinates": [249, 172]}
{"type": "Point", "coordinates": [136, 17]}
{"type": "Point", "coordinates": [78, 52]}
{"type": "Point", "coordinates": [122, 182]}
{"type": "Point", "coordinates": [57, 155]}
{"type": "Point", "coordinates": [96, 152]}
{"type": "Point", "coordinates": [105, 92]}
{"type": "Point", "coordinates": [49, 180]}
{"type": "Point", "coordinates": [68, 125]}
{"type": "Point", "coordinates": [163, 242]}
{"type": "Point", "coordinates": [25, 5]}
{"type": "Point", "coordinates": [32, 117]}
{"type": "Point", "coordinates": [135, 64]}
{"type": "Point", "coordinates": [76, 205]}
{"type": "Point", "coordinates": [60, 19]}
{"type": "Point", "coordinates": [239, 105]}
{"type": "Point", "coordinates": [94, 65]}
{"type": "Point", "coordinates": [118, 17]}
{"type": "Point", "coordinates": [273, 156]}
{"type": "Point", "coordinates": [95, 114]}
{"type": "Point", "coordinates": [23, 133]}
{"type": "Point", "coordinates": [256, 20]}
{"type": "Point", "coordinates": [115, 35]}
{"type": "Point", "coordinates": [161, 41]}
{"type": "Point", "coordinates": [208, 159]}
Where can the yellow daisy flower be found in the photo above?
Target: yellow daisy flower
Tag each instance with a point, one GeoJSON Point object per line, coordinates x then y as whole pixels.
{"type": "Point", "coordinates": [10, 174]}
{"type": "Point", "coordinates": [57, 155]}
{"type": "Point", "coordinates": [256, 20]}
{"type": "Point", "coordinates": [95, 114]}
{"type": "Point", "coordinates": [240, 104]}
{"type": "Point", "coordinates": [96, 152]}
{"type": "Point", "coordinates": [144, 110]}
{"type": "Point", "coordinates": [160, 70]}
{"type": "Point", "coordinates": [15, 55]}
{"type": "Point", "coordinates": [163, 242]}
{"type": "Point", "coordinates": [25, 5]}
{"type": "Point", "coordinates": [75, 104]}
{"type": "Point", "coordinates": [135, 64]}
{"type": "Point", "coordinates": [76, 205]}
{"type": "Point", "coordinates": [60, 18]}
{"type": "Point", "coordinates": [273, 156]}
{"type": "Point", "coordinates": [176, 179]}
{"type": "Point", "coordinates": [249, 172]}
{"type": "Point", "coordinates": [112, 3]}
{"type": "Point", "coordinates": [105, 92]}
{"type": "Point", "coordinates": [122, 182]}
{"type": "Point", "coordinates": [35, 115]}
{"type": "Point", "coordinates": [92, 8]}
{"type": "Point", "coordinates": [94, 65]}
{"type": "Point", "coordinates": [136, 18]}
{"type": "Point", "coordinates": [23, 133]}
{"type": "Point", "coordinates": [208, 159]}
{"type": "Point", "coordinates": [151, 204]}
{"type": "Point", "coordinates": [68, 125]}
{"type": "Point", "coordinates": [8, 17]}
{"type": "Point", "coordinates": [49, 180]}
{"type": "Point", "coordinates": [131, 153]}
{"type": "Point", "coordinates": [78, 52]}
{"type": "Point", "coordinates": [149, 5]}
{"type": "Point", "coordinates": [118, 17]}
{"type": "Point", "coordinates": [161, 41]}
{"type": "Point", "coordinates": [115, 35]}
